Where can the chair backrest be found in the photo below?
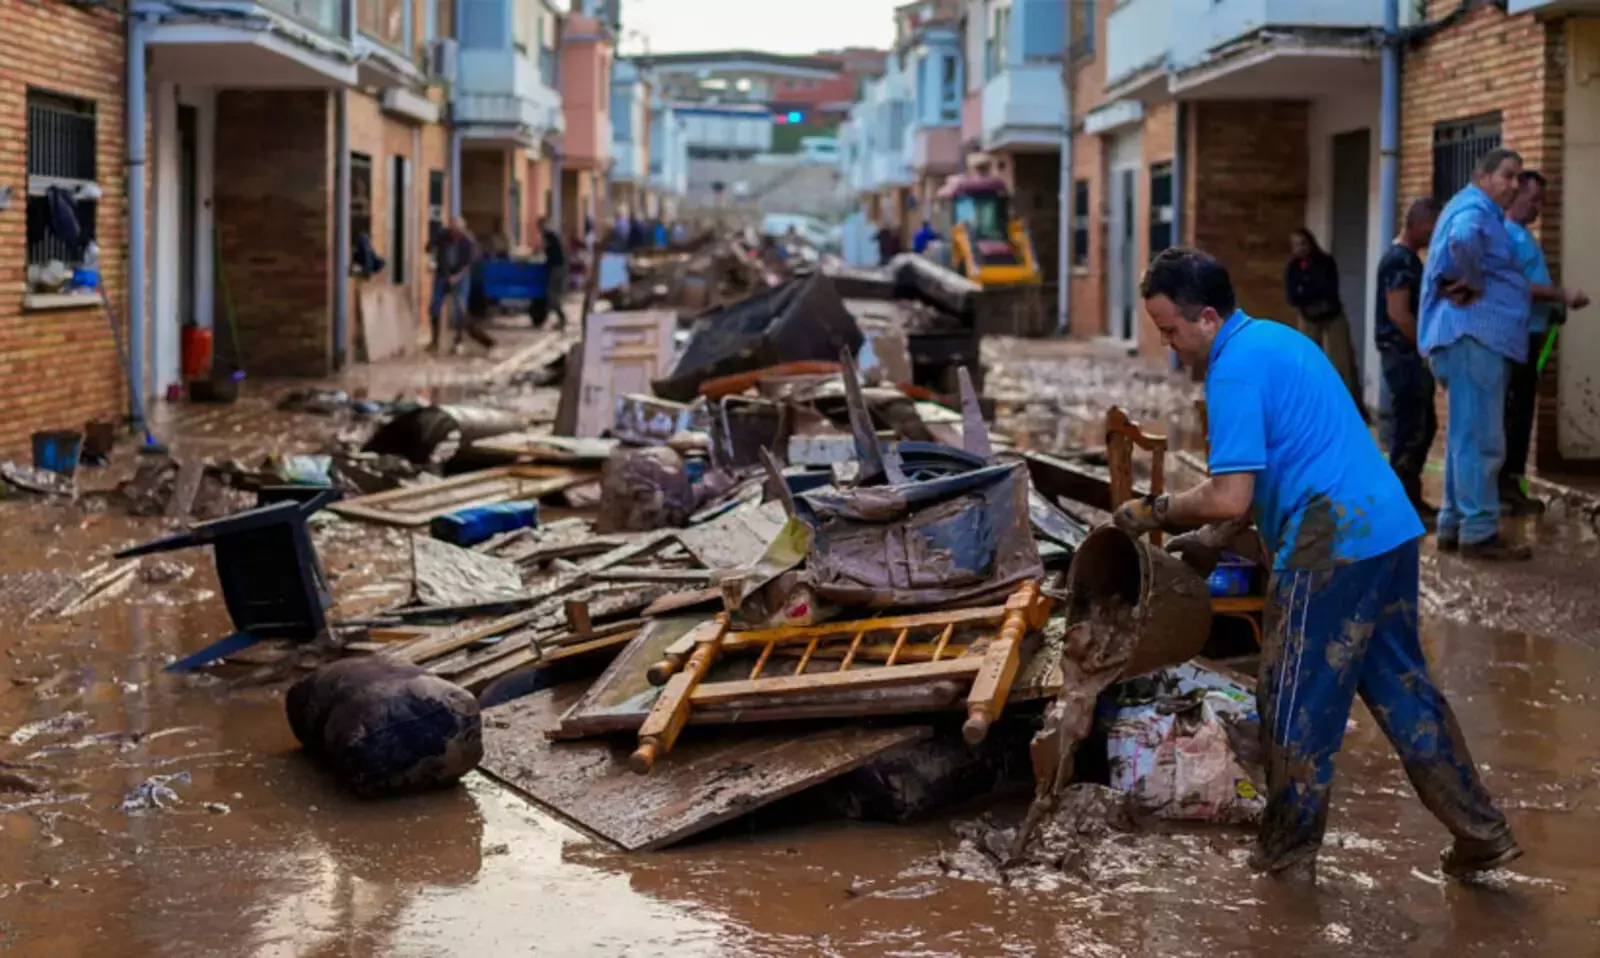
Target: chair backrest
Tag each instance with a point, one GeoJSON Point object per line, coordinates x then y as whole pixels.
{"type": "Point", "coordinates": [1122, 435]}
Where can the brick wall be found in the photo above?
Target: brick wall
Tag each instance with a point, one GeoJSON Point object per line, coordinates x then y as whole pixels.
{"type": "Point", "coordinates": [1514, 65]}
{"type": "Point", "coordinates": [1249, 163]}
{"type": "Point", "coordinates": [59, 367]}
{"type": "Point", "coordinates": [485, 191]}
{"type": "Point", "coordinates": [1088, 310]}
{"type": "Point", "coordinates": [1158, 141]}
{"type": "Point", "coordinates": [274, 212]}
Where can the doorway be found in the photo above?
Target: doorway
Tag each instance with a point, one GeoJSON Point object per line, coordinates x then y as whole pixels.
{"type": "Point", "coordinates": [1123, 200]}
{"type": "Point", "coordinates": [188, 212]}
{"type": "Point", "coordinates": [1352, 166]}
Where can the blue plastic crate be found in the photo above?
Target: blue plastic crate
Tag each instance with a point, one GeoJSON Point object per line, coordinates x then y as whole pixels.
{"type": "Point", "coordinates": [1232, 577]}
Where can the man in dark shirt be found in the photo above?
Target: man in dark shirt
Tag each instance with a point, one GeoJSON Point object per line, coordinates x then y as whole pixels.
{"type": "Point", "coordinates": [453, 253]}
{"type": "Point", "coordinates": [555, 261]}
{"type": "Point", "coordinates": [1411, 388]}
{"type": "Point", "coordinates": [1311, 285]}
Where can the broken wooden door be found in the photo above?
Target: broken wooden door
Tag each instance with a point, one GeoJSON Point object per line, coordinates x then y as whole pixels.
{"type": "Point", "coordinates": [622, 354]}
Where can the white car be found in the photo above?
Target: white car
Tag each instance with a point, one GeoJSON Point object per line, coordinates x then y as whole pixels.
{"type": "Point", "coordinates": [810, 229]}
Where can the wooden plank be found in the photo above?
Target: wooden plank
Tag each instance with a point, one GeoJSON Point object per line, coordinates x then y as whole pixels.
{"type": "Point", "coordinates": [475, 679]}
{"type": "Point", "coordinates": [419, 505]}
{"type": "Point", "coordinates": [433, 646]}
{"type": "Point", "coordinates": [185, 487]}
{"type": "Point", "coordinates": [691, 576]}
{"type": "Point", "coordinates": [590, 784]}
{"type": "Point", "coordinates": [683, 602]}
{"type": "Point", "coordinates": [540, 353]}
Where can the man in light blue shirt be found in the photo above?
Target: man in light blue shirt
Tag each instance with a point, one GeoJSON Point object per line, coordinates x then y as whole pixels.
{"type": "Point", "coordinates": [1289, 445]}
{"type": "Point", "coordinates": [1523, 386]}
{"type": "Point", "coordinates": [1473, 326]}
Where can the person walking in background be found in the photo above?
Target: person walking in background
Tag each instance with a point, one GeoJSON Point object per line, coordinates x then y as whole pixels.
{"type": "Point", "coordinates": [555, 262]}
{"type": "Point", "coordinates": [1546, 307]}
{"type": "Point", "coordinates": [888, 244]}
{"type": "Point", "coordinates": [453, 252]}
{"type": "Point", "coordinates": [1413, 422]}
{"type": "Point", "coordinates": [1311, 284]}
{"type": "Point", "coordinates": [1474, 325]}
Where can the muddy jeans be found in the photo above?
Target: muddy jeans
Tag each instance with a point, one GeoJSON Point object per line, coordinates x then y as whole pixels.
{"type": "Point", "coordinates": [445, 296]}
{"type": "Point", "coordinates": [1413, 423]}
{"type": "Point", "coordinates": [1333, 634]}
{"type": "Point", "coordinates": [1474, 378]}
{"type": "Point", "coordinates": [1332, 336]}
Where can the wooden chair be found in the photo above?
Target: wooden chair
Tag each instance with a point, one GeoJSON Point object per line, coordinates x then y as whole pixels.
{"type": "Point", "coordinates": [1122, 435]}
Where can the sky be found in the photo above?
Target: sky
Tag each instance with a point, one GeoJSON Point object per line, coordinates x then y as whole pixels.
{"type": "Point", "coordinates": [778, 26]}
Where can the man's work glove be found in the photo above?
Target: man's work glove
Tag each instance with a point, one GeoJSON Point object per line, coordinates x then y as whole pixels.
{"type": "Point", "coordinates": [1139, 516]}
{"type": "Point", "coordinates": [1202, 549]}
{"type": "Point", "coordinates": [1199, 550]}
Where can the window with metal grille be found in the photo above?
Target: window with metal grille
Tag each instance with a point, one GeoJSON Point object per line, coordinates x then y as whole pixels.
{"type": "Point", "coordinates": [1457, 145]}
{"type": "Point", "coordinates": [435, 202]}
{"type": "Point", "coordinates": [360, 195]}
{"type": "Point", "coordinates": [1161, 208]}
{"type": "Point", "coordinates": [61, 156]}
{"type": "Point", "coordinates": [1080, 223]}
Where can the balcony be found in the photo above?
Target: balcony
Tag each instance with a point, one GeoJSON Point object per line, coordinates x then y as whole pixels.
{"type": "Point", "coordinates": [1273, 49]}
{"type": "Point", "coordinates": [1552, 6]}
{"type": "Point", "coordinates": [280, 44]}
{"type": "Point", "coordinates": [503, 100]}
{"type": "Point", "coordinates": [1138, 41]}
{"type": "Point", "coordinates": [936, 150]}
{"type": "Point", "coordinates": [1023, 107]}
{"type": "Point", "coordinates": [383, 44]}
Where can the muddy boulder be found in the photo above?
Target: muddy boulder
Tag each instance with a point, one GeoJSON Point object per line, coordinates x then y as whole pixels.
{"type": "Point", "coordinates": [386, 728]}
{"type": "Point", "coordinates": [644, 489]}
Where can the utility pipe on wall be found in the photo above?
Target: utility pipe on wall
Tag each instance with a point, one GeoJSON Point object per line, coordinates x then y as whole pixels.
{"type": "Point", "coordinates": [341, 226]}
{"type": "Point", "coordinates": [137, 153]}
{"type": "Point", "coordinates": [1389, 125]}
{"type": "Point", "coordinates": [1064, 224]}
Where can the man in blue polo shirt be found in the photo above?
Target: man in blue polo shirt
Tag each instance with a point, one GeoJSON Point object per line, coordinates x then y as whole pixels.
{"type": "Point", "coordinates": [1288, 443]}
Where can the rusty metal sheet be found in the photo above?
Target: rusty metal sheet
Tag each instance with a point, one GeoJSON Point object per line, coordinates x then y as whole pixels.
{"type": "Point", "coordinates": [735, 540]}
{"type": "Point", "coordinates": [704, 783]}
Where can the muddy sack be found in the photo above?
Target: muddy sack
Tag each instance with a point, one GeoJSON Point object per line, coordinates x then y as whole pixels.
{"type": "Point", "coordinates": [384, 728]}
{"type": "Point", "coordinates": [959, 539]}
{"type": "Point", "coordinates": [642, 490]}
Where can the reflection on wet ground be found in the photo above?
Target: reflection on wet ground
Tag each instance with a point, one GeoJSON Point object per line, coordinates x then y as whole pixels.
{"type": "Point", "coordinates": [258, 854]}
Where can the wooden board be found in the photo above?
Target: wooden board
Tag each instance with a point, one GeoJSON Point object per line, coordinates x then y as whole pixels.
{"type": "Point", "coordinates": [736, 540]}
{"type": "Point", "coordinates": [388, 320]}
{"type": "Point", "coordinates": [622, 353]}
{"type": "Point", "coordinates": [704, 783]}
{"type": "Point", "coordinates": [545, 448]}
{"type": "Point", "coordinates": [419, 505]}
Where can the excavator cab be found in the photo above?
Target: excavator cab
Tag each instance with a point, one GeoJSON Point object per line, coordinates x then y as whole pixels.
{"type": "Point", "coordinates": [989, 246]}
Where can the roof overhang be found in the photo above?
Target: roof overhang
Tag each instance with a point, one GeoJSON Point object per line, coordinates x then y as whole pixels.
{"type": "Point", "coordinates": [1279, 68]}
{"type": "Point", "coordinates": [247, 53]}
{"type": "Point", "coordinates": [1113, 116]}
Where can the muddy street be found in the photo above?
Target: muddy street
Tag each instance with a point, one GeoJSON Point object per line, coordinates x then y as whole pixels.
{"type": "Point", "coordinates": [143, 813]}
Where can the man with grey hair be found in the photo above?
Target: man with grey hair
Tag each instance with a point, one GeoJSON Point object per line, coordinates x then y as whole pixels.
{"type": "Point", "coordinates": [1474, 325]}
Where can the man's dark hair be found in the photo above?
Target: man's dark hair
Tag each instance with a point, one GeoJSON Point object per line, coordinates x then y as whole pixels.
{"type": "Point", "coordinates": [1422, 210]}
{"type": "Point", "coordinates": [1491, 161]}
{"type": "Point", "coordinates": [1192, 279]}
{"type": "Point", "coordinates": [1532, 176]}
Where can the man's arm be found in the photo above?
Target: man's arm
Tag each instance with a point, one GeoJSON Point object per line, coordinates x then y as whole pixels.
{"type": "Point", "coordinates": [1468, 245]}
{"type": "Point", "coordinates": [1398, 302]}
{"type": "Point", "coordinates": [1219, 499]}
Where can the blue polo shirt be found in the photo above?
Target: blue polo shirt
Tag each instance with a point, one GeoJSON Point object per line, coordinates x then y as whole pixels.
{"type": "Point", "coordinates": [1324, 496]}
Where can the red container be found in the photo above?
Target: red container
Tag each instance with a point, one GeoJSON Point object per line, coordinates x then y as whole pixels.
{"type": "Point", "coordinates": [196, 352]}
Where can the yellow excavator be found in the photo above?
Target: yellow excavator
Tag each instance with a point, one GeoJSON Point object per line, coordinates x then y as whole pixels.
{"type": "Point", "coordinates": [988, 246]}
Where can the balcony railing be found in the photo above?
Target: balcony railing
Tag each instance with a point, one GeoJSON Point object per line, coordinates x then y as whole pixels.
{"type": "Point", "coordinates": [1138, 36]}
{"type": "Point", "coordinates": [1023, 104]}
{"type": "Point", "coordinates": [1208, 24]}
{"type": "Point", "coordinates": [326, 15]}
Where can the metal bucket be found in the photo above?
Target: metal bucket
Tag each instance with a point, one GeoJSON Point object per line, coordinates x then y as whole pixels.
{"type": "Point", "coordinates": [1172, 616]}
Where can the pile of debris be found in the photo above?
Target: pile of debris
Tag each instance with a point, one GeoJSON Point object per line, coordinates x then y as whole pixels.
{"type": "Point", "coordinates": [789, 518]}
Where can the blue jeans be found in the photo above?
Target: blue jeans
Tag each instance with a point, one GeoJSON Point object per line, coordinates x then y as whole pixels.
{"type": "Point", "coordinates": [456, 297]}
{"type": "Point", "coordinates": [1329, 635]}
{"type": "Point", "coordinates": [1474, 377]}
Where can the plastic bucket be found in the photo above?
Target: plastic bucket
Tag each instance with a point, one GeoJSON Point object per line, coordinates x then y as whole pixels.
{"type": "Point", "coordinates": [57, 450]}
{"type": "Point", "coordinates": [1172, 615]}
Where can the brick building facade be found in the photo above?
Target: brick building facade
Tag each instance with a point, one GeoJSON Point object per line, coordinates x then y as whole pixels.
{"type": "Point", "coordinates": [63, 66]}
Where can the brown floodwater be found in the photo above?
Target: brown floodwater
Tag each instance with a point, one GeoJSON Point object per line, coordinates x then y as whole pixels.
{"type": "Point", "coordinates": [255, 852]}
